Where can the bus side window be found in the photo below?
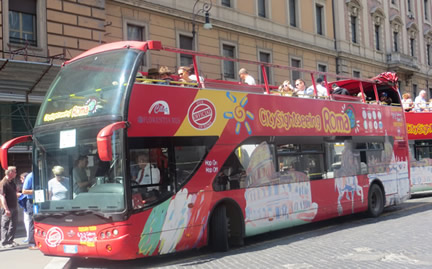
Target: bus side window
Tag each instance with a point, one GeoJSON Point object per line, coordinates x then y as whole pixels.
{"type": "Point", "coordinates": [232, 175]}
{"type": "Point", "coordinates": [343, 160]}
{"type": "Point", "coordinates": [300, 162]}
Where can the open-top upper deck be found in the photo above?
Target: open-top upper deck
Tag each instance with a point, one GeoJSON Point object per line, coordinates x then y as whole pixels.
{"type": "Point", "coordinates": [387, 81]}
{"type": "Point", "coordinates": [103, 81]}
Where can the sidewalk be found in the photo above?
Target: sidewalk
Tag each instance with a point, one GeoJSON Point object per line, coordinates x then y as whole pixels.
{"type": "Point", "coordinates": [22, 257]}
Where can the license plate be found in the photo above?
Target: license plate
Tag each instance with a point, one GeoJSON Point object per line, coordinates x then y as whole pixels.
{"type": "Point", "coordinates": [70, 249]}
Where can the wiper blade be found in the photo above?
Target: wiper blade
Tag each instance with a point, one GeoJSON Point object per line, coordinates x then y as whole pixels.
{"type": "Point", "coordinates": [88, 211]}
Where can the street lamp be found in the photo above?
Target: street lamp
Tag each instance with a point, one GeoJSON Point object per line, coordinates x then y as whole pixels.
{"type": "Point", "coordinates": [205, 8]}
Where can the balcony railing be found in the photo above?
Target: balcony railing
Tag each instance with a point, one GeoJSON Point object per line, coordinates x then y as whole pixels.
{"type": "Point", "coordinates": [402, 60]}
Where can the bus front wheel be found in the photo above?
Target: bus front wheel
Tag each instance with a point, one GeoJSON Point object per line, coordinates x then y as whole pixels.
{"type": "Point", "coordinates": [375, 201]}
{"type": "Point", "coordinates": [219, 231]}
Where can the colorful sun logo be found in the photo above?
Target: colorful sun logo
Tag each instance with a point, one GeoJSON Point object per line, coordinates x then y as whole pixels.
{"type": "Point", "coordinates": [240, 114]}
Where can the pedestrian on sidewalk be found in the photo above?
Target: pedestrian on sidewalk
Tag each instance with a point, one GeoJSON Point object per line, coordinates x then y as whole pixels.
{"type": "Point", "coordinates": [27, 190]}
{"type": "Point", "coordinates": [9, 211]}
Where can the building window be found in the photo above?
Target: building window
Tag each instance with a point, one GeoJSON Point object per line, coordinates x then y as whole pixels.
{"type": "Point", "coordinates": [265, 57]}
{"type": "Point", "coordinates": [229, 66]}
{"type": "Point", "coordinates": [409, 5]}
{"type": "Point", "coordinates": [412, 47]}
{"type": "Point", "coordinates": [294, 73]}
{"type": "Point", "coordinates": [414, 89]}
{"type": "Point", "coordinates": [226, 3]}
{"type": "Point", "coordinates": [426, 9]}
{"type": "Point", "coordinates": [136, 32]}
{"type": "Point", "coordinates": [322, 68]}
{"type": "Point", "coordinates": [377, 37]}
{"type": "Point", "coordinates": [262, 8]}
{"type": "Point", "coordinates": [428, 54]}
{"type": "Point", "coordinates": [354, 29]}
{"type": "Point", "coordinates": [292, 6]}
{"type": "Point", "coordinates": [186, 42]}
{"type": "Point", "coordinates": [319, 19]}
{"type": "Point", "coordinates": [22, 22]}
{"type": "Point", "coordinates": [395, 41]}
{"type": "Point", "coordinates": [356, 74]}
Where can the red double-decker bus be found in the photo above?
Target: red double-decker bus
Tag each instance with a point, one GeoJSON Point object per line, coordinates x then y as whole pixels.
{"type": "Point", "coordinates": [124, 169]}
{"type": "Point", "coordinates": [419, 127]}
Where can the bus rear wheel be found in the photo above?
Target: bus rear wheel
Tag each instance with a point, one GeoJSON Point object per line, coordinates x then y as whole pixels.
{"type": "Point", "coordinates": [219, 230]}
{"type": "Point", "coordinates": [375, 201]}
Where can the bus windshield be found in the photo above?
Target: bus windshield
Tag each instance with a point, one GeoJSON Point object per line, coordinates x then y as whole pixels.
{"type": "Point", "coordinates": [70, 175]}
{"type": "Point", "coordinates": [92, 86]}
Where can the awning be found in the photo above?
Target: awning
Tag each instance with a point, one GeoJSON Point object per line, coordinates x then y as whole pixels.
{"type": "Point", "coordinates": [23, 81]}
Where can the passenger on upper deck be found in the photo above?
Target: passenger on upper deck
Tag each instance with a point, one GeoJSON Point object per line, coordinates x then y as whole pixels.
{"type": "Point", "coordinates": [245, 77]}
{"type": "Point", "coordinates": [407, 102]}
{"type": "Point", "coordinates": [300, 88]}
{"type": "Point", "coordinates": [385, 99]}
{"type": "Point", "coordinates": [152, 74]}
{"type": "Point", "coordinates": [165, 74]}
{"type": "Point", "coordinates": [420, 101]}
{"type": "Point", "coordinates": [320, 86]}
{"type": "Point", "coordinates": [193, 76]}
{"type": "Point", "coordinates": [339, 90]}
{"type": "Point", "coordinates": [184, 73]}
{"type": "Point", "coordinates": [286, 89]}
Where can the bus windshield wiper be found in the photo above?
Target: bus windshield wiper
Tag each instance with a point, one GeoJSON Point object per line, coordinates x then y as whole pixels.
{"type": "Point", "coordinates": [93, 212]}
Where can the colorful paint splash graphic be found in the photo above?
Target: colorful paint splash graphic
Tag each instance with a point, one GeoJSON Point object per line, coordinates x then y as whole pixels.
{"type": "Point", "coordinates": [240, 114]}
{"type": "Point", "coordinates": [349, 110]}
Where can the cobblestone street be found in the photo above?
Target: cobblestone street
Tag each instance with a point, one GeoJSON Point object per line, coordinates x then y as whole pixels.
{"type": "Point", "coordinates": [400, 238]}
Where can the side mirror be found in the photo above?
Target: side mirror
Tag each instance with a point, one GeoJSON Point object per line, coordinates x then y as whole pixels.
{"type": "Point", "coordinates": [104, 139]}
{"type": "Point", "coordinates": [7, 145]}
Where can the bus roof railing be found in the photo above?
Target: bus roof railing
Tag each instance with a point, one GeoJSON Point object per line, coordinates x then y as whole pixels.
{"type": "Point", "coordinates": [357, 84]}
{"type": "Point", "coordinates": [291, 68]}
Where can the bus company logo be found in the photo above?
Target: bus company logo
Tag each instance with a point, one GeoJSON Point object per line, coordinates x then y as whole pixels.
{"type": "Point", "coordinates": [202, 114]}
{"type": "Point", "coordinates": [54, 237]}
{"type": "Point", "coordinates": [159, 107]}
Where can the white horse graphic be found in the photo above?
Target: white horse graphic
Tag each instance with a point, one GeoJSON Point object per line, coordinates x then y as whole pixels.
{"type": "Point", "coordinates": [347, 185]}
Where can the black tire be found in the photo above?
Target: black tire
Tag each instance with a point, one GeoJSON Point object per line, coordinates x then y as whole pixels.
{"type": "Point", "coordinates": [375, 201]}
{"type": "Point", "coordinates": [219, 230]}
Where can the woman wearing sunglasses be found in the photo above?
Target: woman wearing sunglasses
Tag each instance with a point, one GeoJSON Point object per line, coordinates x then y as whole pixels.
{"type": "Point", "coordinates": [286, 89]}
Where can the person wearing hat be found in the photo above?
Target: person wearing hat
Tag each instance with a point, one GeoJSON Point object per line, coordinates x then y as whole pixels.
{"type": "Point", "coordinates": [152, 74]}
{"type": "Point", "coordinates": [385, 99]}
{"type": "Point", "coordinates": [165, 74]}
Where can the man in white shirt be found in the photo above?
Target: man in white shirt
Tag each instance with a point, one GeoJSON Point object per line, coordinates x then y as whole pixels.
{"type": "Point", "coordinates": [148, 173]}
{"type": "Point", "coordinates": [245, 77]}
{"type": "Point", "coordinates": [321, 89]}
{"type": "Point", "coordinates": [420, 101]}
